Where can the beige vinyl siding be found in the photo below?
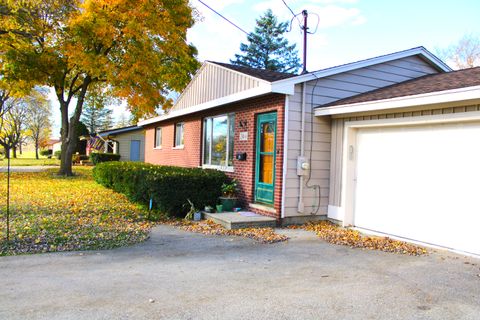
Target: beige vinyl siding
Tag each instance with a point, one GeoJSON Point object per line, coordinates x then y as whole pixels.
{"type": "Point", "coordinates": [214, 82]}
{"type": "Point", "coordinates": [324, 91]}
{"type": "Point", "coordinates": [124, 144]}
{"type": "Point", "coordinates": [338, 132]}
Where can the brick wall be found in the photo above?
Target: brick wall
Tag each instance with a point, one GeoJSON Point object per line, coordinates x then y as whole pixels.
{"type": "Point", "coordinates": [244, 171]}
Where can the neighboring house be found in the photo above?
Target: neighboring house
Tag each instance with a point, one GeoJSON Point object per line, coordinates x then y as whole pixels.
{"type": "Point", "coordinates": [56, 146]}
{"type": "Point", "coordinates": [50, 144]}
{"type": "Point", "coordinates": [294, 150]}
{"type": "Point", "coordinates": [129, 142]}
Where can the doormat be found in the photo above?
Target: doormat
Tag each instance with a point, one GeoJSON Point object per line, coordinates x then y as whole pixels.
{"type": "Point", "coordinates": [248, 214]}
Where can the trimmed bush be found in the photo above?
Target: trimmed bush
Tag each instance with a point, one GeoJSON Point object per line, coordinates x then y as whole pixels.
{"type": "Point", "coordinates": [169, 187]}
{"type": "Point", "coordinates": [103, 157]}
{"type": "Point", "coordinates": [46, 153]}
{"type": "Point", "coordinates": [57, 154]}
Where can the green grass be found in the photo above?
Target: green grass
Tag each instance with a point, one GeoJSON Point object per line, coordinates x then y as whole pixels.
{"type": "Point", "coordinates": [62, 214]}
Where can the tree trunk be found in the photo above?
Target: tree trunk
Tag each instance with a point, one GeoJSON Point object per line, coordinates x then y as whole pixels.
{"type": "Point", "coordinates": [36, 150]}
{"type": "Point", "coordinates": [20, 148]}
{"type": "Point", "coordinates": [68, 131]}
{"type": "Point", "coordinates": [14, 149]}
{"type": "Point", "coordinates": [7, 152]}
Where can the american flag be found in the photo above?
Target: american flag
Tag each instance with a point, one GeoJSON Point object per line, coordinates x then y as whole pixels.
{"type": "Point", "coordinates": [96, 143]}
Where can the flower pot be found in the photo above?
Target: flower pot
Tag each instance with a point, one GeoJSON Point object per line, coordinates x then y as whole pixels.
{"type": "Point", "coordinates": [228, 203]}
{"type": "Point", "coordinates": [219, 208]}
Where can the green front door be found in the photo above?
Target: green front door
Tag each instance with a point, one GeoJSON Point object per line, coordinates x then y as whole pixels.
{"type": "Point", "coordinates": [265, 157]}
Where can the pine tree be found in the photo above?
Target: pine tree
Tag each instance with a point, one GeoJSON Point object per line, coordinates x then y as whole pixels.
{"type": "Point", "coordinates": [95, 115]}
{"type": "Point", "coordinates": [267, 47]}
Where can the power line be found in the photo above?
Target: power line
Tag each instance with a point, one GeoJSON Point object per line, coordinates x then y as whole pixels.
{"type": "Point", "coordinates": [293, 14]}
{"type": "Point", "coordinates": [233, 24]}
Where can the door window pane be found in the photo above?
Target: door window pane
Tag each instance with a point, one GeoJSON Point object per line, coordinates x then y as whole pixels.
{"type": "Point", "coordinates": [266, 168]}
{"type": "Point", "coordinates": [268, 137]}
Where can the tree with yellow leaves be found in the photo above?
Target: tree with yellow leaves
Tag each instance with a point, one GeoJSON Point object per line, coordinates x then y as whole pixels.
{"type": "Point", "coordinates": [135, 49]}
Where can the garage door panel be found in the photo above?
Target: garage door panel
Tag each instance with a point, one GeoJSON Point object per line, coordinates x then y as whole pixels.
{"type": "Point", "coordinates": [420, 183]}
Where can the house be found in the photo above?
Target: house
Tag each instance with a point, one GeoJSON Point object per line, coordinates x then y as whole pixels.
{"type": "Point", "coordinates": [50, 143]}
{"type": "Point", "coordinates": [129, 142]}
{"type": "Point", "coordinates": [291, 140]}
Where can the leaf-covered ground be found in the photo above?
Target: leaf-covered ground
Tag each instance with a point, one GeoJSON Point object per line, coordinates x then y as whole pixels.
{"type": "Point", "coordinates": [51, 213]}
{"type": "Point", "coordinates": [342, 236]}
{"type": "Point", "coordinates": [264, 235]}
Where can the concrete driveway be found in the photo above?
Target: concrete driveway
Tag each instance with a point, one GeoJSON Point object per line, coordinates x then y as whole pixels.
{"type": "Point", "coordinates": [180, 275]}
{"type": "Point", "coordinates": [4, 168]}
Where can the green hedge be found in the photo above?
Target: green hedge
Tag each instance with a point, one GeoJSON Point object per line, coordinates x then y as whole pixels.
{"type": "Point", "coordinates": [46, 153]}
{"type": "Point", "coordinates": [103, 157]}
{"type": "Point", "coordinates": [169, 187]}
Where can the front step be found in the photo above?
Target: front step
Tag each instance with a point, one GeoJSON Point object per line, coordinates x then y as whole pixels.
{"type": "Point", "coordinates": [240, 220]}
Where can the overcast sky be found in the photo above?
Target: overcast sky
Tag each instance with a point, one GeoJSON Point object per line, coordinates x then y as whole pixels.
{"type": "Point", "coordinates": [348, 30]}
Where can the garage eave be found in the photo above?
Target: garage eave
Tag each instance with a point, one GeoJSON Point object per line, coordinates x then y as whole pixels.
{"type": "Point", "coordinates": [466, 95]}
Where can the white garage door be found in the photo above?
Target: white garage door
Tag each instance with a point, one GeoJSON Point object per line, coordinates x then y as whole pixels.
{"type": "Point", "coordinates": [421, 183]}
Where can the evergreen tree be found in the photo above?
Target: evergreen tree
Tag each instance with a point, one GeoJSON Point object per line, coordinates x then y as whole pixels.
{"type": "Point", "coordinates": [267, 47]}
{"type": "Point", "coordinates": [95, 115]}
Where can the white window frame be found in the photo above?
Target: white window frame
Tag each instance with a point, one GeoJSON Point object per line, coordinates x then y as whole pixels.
{"type": "Point", "coordinates": [175, 145]}
{"type": "Point", "coordinates": [158, 146]}
{"type": "Point", "coordinates": [226, 168]}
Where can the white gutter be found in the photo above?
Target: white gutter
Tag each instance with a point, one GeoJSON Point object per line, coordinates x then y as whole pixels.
{"type": "Point", "coordinates": [301, 204]}
{"type": "Point", "coordinates": [467, 95]}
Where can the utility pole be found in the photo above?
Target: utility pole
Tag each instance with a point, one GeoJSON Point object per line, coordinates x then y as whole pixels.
{"type": "Point", "coordinates": [305, 32]}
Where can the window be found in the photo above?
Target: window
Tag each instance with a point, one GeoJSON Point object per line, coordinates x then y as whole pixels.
{"type": "Point", "coordinates": [179, 128]}
{"type": "Point", "coordinates": [218, 134]}
{"type": "Point", "coordinates": [158, 137]}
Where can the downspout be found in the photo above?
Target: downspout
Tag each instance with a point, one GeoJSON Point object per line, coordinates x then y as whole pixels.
{"type": "Point", "coordinates": [301, 205]}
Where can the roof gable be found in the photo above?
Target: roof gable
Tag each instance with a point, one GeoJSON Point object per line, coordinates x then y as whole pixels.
{"type": "Point", "coordinates": [418, 51]}
{"type": "Point", "coordinates": [214, 81]}
{"type": "Point", "coordinates": [426, 84]}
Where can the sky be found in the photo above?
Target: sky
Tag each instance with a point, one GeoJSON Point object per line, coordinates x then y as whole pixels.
{"type": "Point", "coordinates": [348, 30]}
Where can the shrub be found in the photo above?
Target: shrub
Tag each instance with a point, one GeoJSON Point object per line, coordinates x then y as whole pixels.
{"type": "Point", "coordinates": [46, 153]}
{"type": "Point", "coordinates": [169, 187]}
{"type": "Point", "coordinates": [57, 154]}
{"type": "Point", "coordinates": [103, 157]}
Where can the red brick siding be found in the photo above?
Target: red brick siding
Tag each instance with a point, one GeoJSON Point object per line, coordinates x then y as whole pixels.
{"type": "Point", "coordinates": [244, 171]}
{"type": "Point", "coordinates": [189, 156]}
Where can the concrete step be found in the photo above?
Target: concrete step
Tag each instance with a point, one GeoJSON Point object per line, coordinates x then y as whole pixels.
{"type": "Point", "coordinates": [240, 220]}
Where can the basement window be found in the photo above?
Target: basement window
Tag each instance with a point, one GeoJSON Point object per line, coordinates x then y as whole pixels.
{"type": "Point", "coordinates": [218, 135]}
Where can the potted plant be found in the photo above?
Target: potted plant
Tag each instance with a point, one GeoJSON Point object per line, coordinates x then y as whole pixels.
{"type": "Point", "coordinates": [228, 199]}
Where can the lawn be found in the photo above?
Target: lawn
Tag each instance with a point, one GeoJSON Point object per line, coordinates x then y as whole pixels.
{"type": "Point", "coordinates": [28, 159]}
{"type": "Point", "coordinates": [51, 213]}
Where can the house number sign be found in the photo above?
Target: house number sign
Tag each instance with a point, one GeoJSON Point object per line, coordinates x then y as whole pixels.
{"type": "Point", "coordinates": [243, 136]}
